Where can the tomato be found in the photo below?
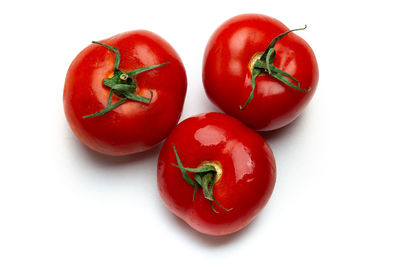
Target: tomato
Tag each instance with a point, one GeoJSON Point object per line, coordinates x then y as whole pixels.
{"type": "Point", "coordinates": [215, 173]}
{"type": "Point", "coordinates": [125, 94]}
{"type": "Point", "coordinates": [283, 80]}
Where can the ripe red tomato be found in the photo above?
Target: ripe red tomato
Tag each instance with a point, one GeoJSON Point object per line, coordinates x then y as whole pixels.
{"type": "Point", "coordinates": [215, 173]}
{"type": "Point", "coordinates": [125, 94]}
{"type": "Point", "coordinates": [232, 60]}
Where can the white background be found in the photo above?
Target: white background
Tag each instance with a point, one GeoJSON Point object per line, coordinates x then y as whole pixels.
{"type": "Point", "coordinates": [337, 196]}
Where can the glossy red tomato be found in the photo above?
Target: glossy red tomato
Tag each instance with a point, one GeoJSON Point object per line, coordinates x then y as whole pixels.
{"type": "Point", "coordinates": [147, 89]}
{"type": "Point", "coordinates": [230, 61]}
{"type": "Point", "coordinates": [215, 173]}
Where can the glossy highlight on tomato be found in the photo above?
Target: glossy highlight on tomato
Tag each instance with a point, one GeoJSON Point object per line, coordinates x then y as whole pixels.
{"type": "Point", "coordinates": [243, 176]}
{"type": "Point", "coordinates": [133, 126]}
{"type": "Point", "coordinates": [228, 66]}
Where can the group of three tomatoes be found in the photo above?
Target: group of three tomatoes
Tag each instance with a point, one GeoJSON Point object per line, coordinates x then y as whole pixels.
{"type": "Point", "coordinates": [125, 94]}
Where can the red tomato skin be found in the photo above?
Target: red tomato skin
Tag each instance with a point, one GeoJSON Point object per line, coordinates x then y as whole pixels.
{"type": "Point", "coordinates": [133, 126]}
{"type": "Point", "coordinates": [247, 181]}
{"type": "Point", "coordinates": [227, 75]}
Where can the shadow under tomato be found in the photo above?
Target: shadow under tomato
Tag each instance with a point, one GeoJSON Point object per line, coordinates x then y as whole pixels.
{"type": "Point", "coordinates": [106, 161]}
{"type": "Point", "coordinates": [286, 131]}
{"type": "Point", "coordinates": [208, 240]}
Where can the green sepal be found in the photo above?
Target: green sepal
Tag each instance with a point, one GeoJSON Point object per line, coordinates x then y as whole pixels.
{"type": "Point", "coordinates": [212, 207]}
{"type": "Point", "coordinates": [207, 183]}
{"type": "Point", "coordinates": [196, 187]}
{"type": "Point", "coordinates": [110, 82]}
{"type": "Point", "coordinates": [254, 75]}
{"type": "Point", "coordinates": [206, 168]}
{"type": "Point", "coordinates": [222, 206]}
{"type": "Point", "coordinates": [123, 84]}
{"type": "Point", "coordinates": [265, 65]}
{"type": "Point", "coordinates": [127, 89]}
{"type": "Point", "coordinates": [183, 171]}
{"type": "Point", "coordinates": [143, 69]}
{"type": "Point", "coordinates": [204, 177]}
{"type": "Point", "coordinates": [270, 57]}
{"type": "Point", "coordinates": [110, 97]}
{"type": "Point", "coordinates": [276, 70]}
{"type": "Point", "coordinates": [139, 98]}
{"type": "Point", "coordinates": [197, 178]}
{"type": "Point", "coordinates": [280, 75]}
{"type": "Point", "coordinates": [115, 50]}
{"type": "Point", "coordinates": [123, 88]}
{"type": "Point", "coordinates": [106, 109]}
{"type": "Point", "coordinates": [276, 39]}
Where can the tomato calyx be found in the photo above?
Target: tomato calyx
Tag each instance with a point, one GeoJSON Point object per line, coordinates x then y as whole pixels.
{"type": "Point", "coordinates": [205, 176]}
{"type": "Point", "coordinates": [123, 84]}
{"type": "Point", "coordinates": [264, 65]}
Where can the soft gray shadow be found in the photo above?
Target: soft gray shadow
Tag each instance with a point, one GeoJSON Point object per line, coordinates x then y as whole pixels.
{"type": "Point", "coordinates": [207, 240]}
{"type": "Point", "coordinates": [114, 161]}
{"type": "Point", "coordinates": [286, 131]}
{"type": "Point", "coordinates": [210, 106]}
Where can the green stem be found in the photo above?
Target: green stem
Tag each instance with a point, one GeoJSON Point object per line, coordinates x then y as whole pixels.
{"type": "Point", "coordinates": [123, 84]}
{"type": "Point", "coordinates": [204, 177]}
{"type": "Point", "coordinates": [265, 65]}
